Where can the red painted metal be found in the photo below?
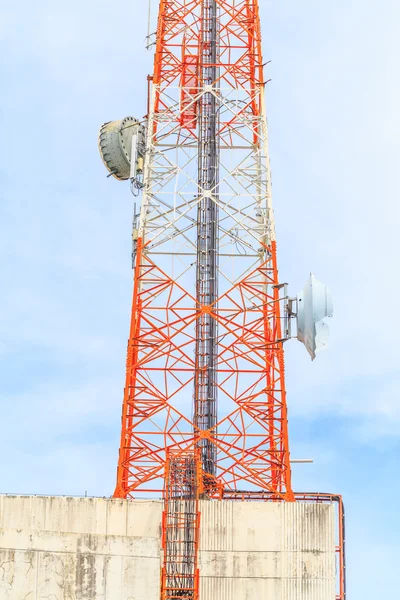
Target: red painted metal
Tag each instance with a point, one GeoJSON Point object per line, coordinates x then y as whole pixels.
{"type": "Point", "coordinates": [252, 437]}
{"type": "Point", "coordinates": [160, 436]}
{"type": "Point", "coordinates": [180, 526]}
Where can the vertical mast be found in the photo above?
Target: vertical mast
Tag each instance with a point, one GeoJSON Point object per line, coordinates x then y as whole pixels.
{"type": "Point", "coordinates": [205, 394]}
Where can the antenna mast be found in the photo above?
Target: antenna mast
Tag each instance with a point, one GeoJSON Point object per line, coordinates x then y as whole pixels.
{"type": "Point", "coordinates": [204, 409]}
{"type": "Point", "coordinates": [204, 412]}
{"type": "Point", "coordinates": [206, 308]}
{"type": "Point", "coordinates": [205, 384]}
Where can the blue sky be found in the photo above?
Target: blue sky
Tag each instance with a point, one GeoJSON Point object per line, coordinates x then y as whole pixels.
{"type": "Point", "coordinates": [65, 248]}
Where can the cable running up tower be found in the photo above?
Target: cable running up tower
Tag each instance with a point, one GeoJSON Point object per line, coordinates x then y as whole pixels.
{"type": "Point", "coordinates": [205, 385]}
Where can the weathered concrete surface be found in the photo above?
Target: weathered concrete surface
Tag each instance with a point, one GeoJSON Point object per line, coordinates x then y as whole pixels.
{"type": "Point", "coordinates": [102, 549]}
{"type": "Point", "coordinates": [267, 551]}
{"type": "Point", "coordinates": [79, 549]}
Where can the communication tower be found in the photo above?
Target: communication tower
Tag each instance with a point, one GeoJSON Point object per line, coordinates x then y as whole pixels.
{"type": "Point", "coordinates": [204, 411]}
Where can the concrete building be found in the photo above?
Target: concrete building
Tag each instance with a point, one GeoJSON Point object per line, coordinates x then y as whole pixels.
{"type": "Point", "coordinates": [60, 548]}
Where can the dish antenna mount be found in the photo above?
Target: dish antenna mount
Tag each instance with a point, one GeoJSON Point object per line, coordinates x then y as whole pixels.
{"type": "Point", "coordinates": [309, 309]}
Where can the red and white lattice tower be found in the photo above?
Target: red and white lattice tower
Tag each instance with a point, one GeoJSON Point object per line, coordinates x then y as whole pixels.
{"type": "Point", "coordinates": [205, 364]}
{"type": "Point", "coordinates": [204, 408]}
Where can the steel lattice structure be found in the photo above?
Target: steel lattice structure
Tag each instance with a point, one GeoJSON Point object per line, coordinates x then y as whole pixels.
{"type": "Point", "coordinates": [204, 409]}
{"type": "Point", "coordinates": [180, 526]}
{"type": "Point", "coordinates": [205, 365]}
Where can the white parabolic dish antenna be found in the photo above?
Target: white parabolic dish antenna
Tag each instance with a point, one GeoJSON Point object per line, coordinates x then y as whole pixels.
{"type": "Point", "coordinates": [314, 306]}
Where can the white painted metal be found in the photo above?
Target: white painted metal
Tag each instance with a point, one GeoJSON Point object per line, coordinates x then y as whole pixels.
{"type": "Point", "coordinates": [314, 305]}
{"type": "Point", "coordinates": [171, 193]}
{"type": "Point", "coordinates": [168, 219]}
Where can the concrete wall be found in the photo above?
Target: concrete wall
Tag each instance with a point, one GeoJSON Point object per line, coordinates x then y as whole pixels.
{"type": "Point", "coordinates": [79, 549]}
{"type": "Point", "coordinates": [267, 551]}
{"type": "Point", "coordinates": [101, 549]}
